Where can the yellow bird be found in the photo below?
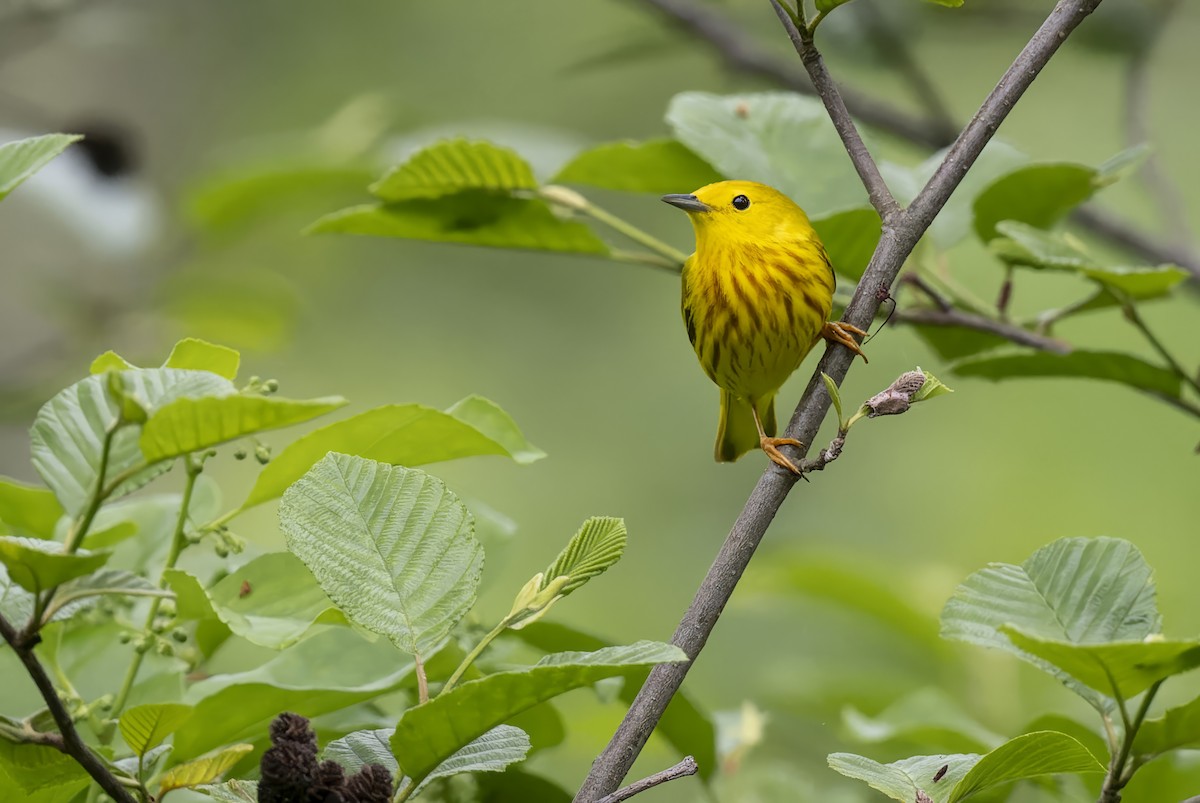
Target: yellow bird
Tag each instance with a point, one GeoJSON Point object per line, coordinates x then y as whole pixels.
{"type": "Point", "coordinates": [756, 298]}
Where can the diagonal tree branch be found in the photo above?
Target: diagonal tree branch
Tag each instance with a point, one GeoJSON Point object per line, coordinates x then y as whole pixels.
{"type": "Point", "coordinates": [741, 52]}
{"type": "Point", "coordinates": [897, 241]}
{"type": "Point", "coordinates": [969, 320]}
{"type": "Point", "coordinates": [72, 744]}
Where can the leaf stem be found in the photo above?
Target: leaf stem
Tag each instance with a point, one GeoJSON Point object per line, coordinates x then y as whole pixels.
{"type": "Point", "coordinates": [578, 203]}
{"type": "Point", "coordinates": [178, 544]}
{"type": "Point", "coordinates": [1117, 776]}
{"type": "Point", "coordinates": [82, 524]}
{"type": "Point", "coordinates": [473, 654]}
{"type": "Point", "coordinates": [1135, 318]}
{"type": "Point", "coordinates": [422, 678]}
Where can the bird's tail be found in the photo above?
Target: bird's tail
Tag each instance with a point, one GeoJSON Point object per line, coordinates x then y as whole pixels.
{"type": "Point", "coordinates": [736, 433]}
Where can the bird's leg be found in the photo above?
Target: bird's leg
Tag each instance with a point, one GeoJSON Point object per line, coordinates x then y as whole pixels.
{"type": "Point", "coordinates": [840, 332]}
{"type": "Point", "coordinates": [771, 445]}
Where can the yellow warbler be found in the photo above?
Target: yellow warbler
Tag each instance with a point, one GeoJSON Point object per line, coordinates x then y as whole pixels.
{"type": "Point", "coordinates": [756, 297]}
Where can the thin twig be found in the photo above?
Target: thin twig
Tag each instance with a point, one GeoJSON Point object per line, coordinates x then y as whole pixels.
{"type": "Point", "coordinates": [743, 53]}
{"type": "Point", "coordinates": [969, 320]}
{"type": "Point", "coordinates": [681, 770]}
{"type": "Point", "coordinates": [896, 243]}
{"type": "Point", "coordinates": [864, 165]}
{"type": "Point", "coordinates": [72, 743]}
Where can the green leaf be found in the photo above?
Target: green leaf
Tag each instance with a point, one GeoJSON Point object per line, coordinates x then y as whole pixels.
{"type": "Point", "coordinates": [1039, 195]}
{"type": "Point", "coordinates": [360, 748]}
{"type": "Point", "coordinates": [1109, 366]}
{"type": "Point", "coordinates": [779, 138]}
{"type": "Point", "coordinates": [932, 388]}
{"type": "Point", "coordinates": [595, 548]}
{"type": "Point", "coordinates": [835, 396]}
{"type": "Point", "coordinates": [82, 593]}
{"type": "Point", "coordinates": [240, 198]}
{"type": "Point", "coordinates": [37, 565]}
{"type": "Point", "coordinates": [31, 509]}
{"type": "Point", "coordinates": [69, 432]}
{"type": "Point", "coordinates": [331, 671]}
{"type": "Point", "coordinates": [928, 716]}
{"type": "Point", "coordinates": [33, 767]}
{"type": "Point", "coordinates": [1122, 668]}
{"type": "Point", "coordinates": [203, 770]}
{"type": "Point", "coordinates": [1079, 590]}
{"type": "Point", "coordinates": [430, 733]}
{"type": "Point", "coordinates": [825, 6]}
{"type": "Point", "coordinates": [391, 546]}
{"type": "Point", "coordinates": [451, 166]}
{"type": "Point", "coordinates": [21, 159]}
{"type": "Point", "coordinates": [200, 355]}
{"type": "Point", "coordinates": [468, 218]}
{"type": "Point", "coordinates": [231, 791]}
{"type": "Point", "coordinates": [1176, 727]}
{"type": "Point", "coordinates": [1122, 164]}
{"type": "Point", "coordinates": [956, 342]}
{"type": "Point", "coordinates": [683, 725]}
{"type": "Point", "coordinates": [947, 3]}
{"type": "Point", "coordinates": [404, 434]}
{"type": "Point", "coordinates": [146, 726]}
{"type": "Point", "coordinates": [492, 752]}
{"type": "Point", "coordinates": [659, 166]}
{"type": "Point", "coordinates": [850, 238]}
{"type": "Point", "coordinates": [110, 361]}
{"type": "Point", "coordinates": [273, 600]}
{"type": "Point", "coordinates": [1030, 755]}
{"type": "Point", "coordinates": [191, 425]}
{"type": "Point", "coordinates": [1027, 756]}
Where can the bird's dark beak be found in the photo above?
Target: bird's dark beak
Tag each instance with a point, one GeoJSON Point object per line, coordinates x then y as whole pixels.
{"type": "Point", "coordinates": [688, 203]}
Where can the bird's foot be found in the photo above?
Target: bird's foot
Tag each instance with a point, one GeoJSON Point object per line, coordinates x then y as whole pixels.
{"type": "Point", "coordinates": [841, 332]}
{"type": "Point", "coordinates": [771, 447]}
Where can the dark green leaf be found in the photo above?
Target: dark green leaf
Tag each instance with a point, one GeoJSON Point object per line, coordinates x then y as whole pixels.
{"type": "Point", "coordinates": [452, 166]}
{"type": "Point", "coordinates": [1109, 366]}
{"type": "Point", "coordinates": [30, 509]}
{"type": "Point", "coordinates": [34, 767]}
{"type": "Point", "coordinates": [659, 166]}
{"type": "Point", "coordinates": [779, 138]}
{"type": "Point", "coordinates": [430, 733]}
{"type": "Point", "coordinates": [956, 342]}
{"type": "Point", "coordinates": [850, 238]}
{"type": "Point", "coordinates": [391, 546]}
{"type": "Point", "coordinates": [1039, 195]}
{"type": "Point", "coordinates": [21, 159]}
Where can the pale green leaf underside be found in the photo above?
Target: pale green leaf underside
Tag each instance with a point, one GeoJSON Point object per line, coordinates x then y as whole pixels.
{"type": "Point", "coordinates": [402, 434]}
{"type": "Point", "coordinates": [492, 752]}
{"type": "Point", "coordinates": [231, 791]}
{"type": "Point", "coordinates": [430, 733]}
{"type": "Point", "coordinates": [355, 750]}
{"type": "Point", "coordinates": [21, 159]}
{"type": "Point", "coordinates": [452, 166]}
{"type": "Point", "coordinates": [391, 546]}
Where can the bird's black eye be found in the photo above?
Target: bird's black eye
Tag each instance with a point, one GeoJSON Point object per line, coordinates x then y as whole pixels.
{"type": "Point", "coordinates": [741, 203]}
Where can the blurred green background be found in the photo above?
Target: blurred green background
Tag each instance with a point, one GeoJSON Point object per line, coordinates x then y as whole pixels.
{"type": "Point", "coordinates": [590, 357]}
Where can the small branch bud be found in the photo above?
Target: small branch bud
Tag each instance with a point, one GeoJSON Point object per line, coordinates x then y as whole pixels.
{"type": "Point", "coordinates": [898, 397]}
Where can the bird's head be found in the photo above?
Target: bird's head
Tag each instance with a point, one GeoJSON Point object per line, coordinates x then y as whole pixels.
{"type": "Point", "coordinates": [742, 210]}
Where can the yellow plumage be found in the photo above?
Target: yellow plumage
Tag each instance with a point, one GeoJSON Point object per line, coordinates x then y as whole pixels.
{"type": "Point", "coordinates": [757, 294]}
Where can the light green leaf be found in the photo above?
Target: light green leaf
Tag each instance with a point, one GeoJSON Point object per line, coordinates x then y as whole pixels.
{"type": "Point", "coordinates": [1122, 164]}
{"type": "Point", "coordinates": [932, 388]}
{"type": "Point", "coordinates": [37, 565]}
{"type": "Point", "coordinates": [200, 355]}
{"type": "Point", "coordinates": [31, 509]}
{"type": "Point", "coordinates": [430, 733]}
{"type": "Point", "coordinates": [1039, 195]}
{"type": "Point", "coordinates": [1123, 668]}
{"type": "Point", "coordinates": [835, 396]}
{"type": "Point", "coordinates": [237, 199]}
{"type": "Point", "coordinates": [947, 3]}
{"type": "Point", "coordinates": [231, 791]}
{"type": "Point", "coordinates": [82, 593]}
{"type": "Point", "coordinates": [360, 748]}
{"type": "Point", "coordinates": [1176, 727]}
{"type": "Point", "coordinates": [901, 780]}
{"type": "Point", "coordinates": [1079, 590]}
{"type": "Point", "coordinates": [391, 546]}
{"type": "Point", "coordinates": [659, 166]}
{"type": "Point", "coordinates": [403, 434]}
{"type": "Point", "coordinates": [145, 726]}
{"type": "Point", "coordinates": [1030, 755]}
{"type": "Point", "coordinates": [21, 159]}
{"type": "Point", "coordinates": [34, 767]}
{"type": "Point", "coordinates": [68, 435]}
{"type": "Point", "coordinates": [333, 670]}
{"type": "Point", "coordinates": [105, 536]}
{"type": "Point", "coordinates": [825, 6]}
{"type": "Point", "coordinates": [492, 752]}
{"type": "Point", "coordinates": [1109, 366]}
{"type": "Point", "coordinates": [190, 425]}
{"type": "Point", "coordinates": [850, 238]}
{"type": "Point", "coordinates": [779, 138]}
{"type": "Point", "coordinates": [452, 166]}
{"type": "Point", "coordinates": [468, 218]}
{"type": "Point", "coordinates": [929, 717]}
{"type": "Point", "coordinates": [110, 361]}
{"type": "Point", "coordinates": [683, 725]}
{"type": "Point", "coordinates": [596, 547]}
{"type": "Point", "coordinates": [203, 770]}
{"type": "Point", "coordinates": [273, 600]}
